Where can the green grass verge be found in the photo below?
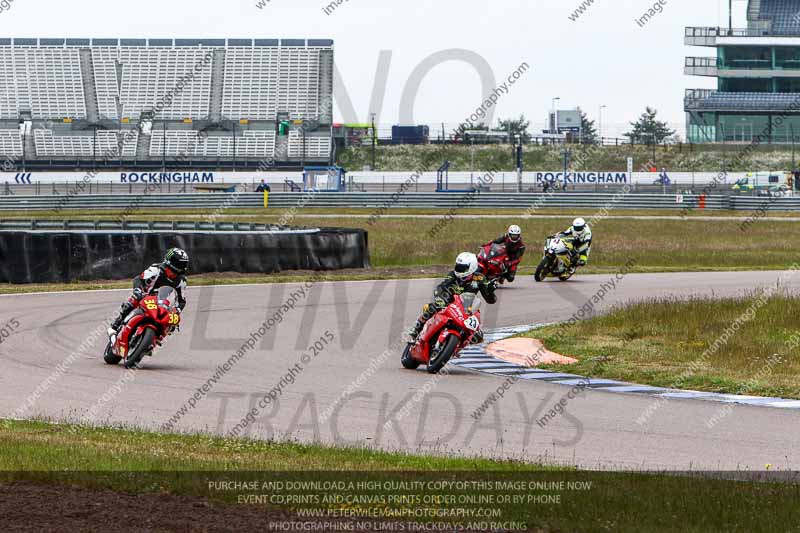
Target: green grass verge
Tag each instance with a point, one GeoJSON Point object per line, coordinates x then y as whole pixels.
{"type": "Point", "coordinates": [137, 461]}
{"type": "Point", "coordinates": [656, 245]}
{"type": "Point", "coordinates": [741, 345]}
{"type": "Point", "coordinates": [676, 158]}
{"type": "Point", "coordinates": [403, 248]}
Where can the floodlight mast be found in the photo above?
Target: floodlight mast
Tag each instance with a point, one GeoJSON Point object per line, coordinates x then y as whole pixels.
{"type": "Point", "coordinates": [730, 17]}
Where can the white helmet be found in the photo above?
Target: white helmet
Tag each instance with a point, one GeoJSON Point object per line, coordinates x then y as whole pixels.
{"type": "Point", "coordinates": [466, 265]}
{"type": "Point", "coordinates": [579, 227]}
{"type": "Point", "coordinates": [514, 233]}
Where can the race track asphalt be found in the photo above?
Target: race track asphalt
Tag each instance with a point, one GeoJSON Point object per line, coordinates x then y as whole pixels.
{"type": "Point", "coordinates": [353, 392]}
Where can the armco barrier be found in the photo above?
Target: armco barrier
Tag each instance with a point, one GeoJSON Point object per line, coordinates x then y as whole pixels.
{"type": "Point", "coordinates": [220, 201]}
{"type": "Point", "coordinates": [41, 256]}
{"type": "Point", "coordinates": [765, 203]}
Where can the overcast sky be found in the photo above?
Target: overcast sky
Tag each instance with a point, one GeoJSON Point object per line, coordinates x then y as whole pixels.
{"type": "Point", "coordinates": [604, 57]}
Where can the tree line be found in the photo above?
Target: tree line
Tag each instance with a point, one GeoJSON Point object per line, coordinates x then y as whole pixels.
{"type": "Point", "coordinates": [647, 129]}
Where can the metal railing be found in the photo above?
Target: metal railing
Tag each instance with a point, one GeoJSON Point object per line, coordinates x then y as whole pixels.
{"type": "Point", "coordinates": [128, 204]}
{"type": "Point", "coordinates": [702, 62]}
{"type": "Point", "coordinates": [693, 95]}
{"type": "Point", "coordinates": [133, 225]}
{"type": "Point", "coordinates": [708, 32]}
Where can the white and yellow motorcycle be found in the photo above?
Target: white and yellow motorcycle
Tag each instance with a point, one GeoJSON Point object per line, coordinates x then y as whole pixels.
{"type": "Point", "coordinates": [557, 261]}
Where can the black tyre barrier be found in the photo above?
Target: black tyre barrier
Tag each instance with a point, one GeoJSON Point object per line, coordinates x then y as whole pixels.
{"type": "Point", "coordinates": [62, 256]}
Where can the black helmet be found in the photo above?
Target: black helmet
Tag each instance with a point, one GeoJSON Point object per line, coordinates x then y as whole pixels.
{"type": "Point", "coordinates": [177, 260]}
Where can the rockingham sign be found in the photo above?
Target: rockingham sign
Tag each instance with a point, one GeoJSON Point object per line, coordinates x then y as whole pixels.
{"type": "Point", "coordinates": [136, 177]}
{"type": "Point", "coordinates": [582, 177]}
{"type": "Point", "coordinates": [536, 179]}
{"type": "Point", "coordinates": [166, 177]}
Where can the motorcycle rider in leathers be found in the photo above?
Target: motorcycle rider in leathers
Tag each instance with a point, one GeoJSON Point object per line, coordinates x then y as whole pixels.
{"type": "Point", "coordinates": [515, 249]}
{"type": "Point", "coordinates": [580, 235]}
{"type": "Point", "coordinates": [464, 277]}
{"type": "Point", "coordinates": [169, 273]}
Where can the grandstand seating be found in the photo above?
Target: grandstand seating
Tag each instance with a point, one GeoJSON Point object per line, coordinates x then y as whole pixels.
{"type": "Point", "coordinates": [107, 144]}
{"type": "Point", "coordinates": [253, 144]}
{"type": "Point", "coordinates": [728, 101]}
{"type": "Point", "coordinates": [315, 147]}
{"type": "Point", "coordinates": [259, 82]}
{"type": "Point", "coordinates": [46, 82]}
{"type": "Point", "coordinates": [104, 61]}
{"type": "Point", "coordinates": [251, 83]}
{"type": "Point", "coordinates": [784, 15]}
{"type": "Point", "coordinates": [149, 74]}
{"type": "Point", "coordinates": [10, 143]}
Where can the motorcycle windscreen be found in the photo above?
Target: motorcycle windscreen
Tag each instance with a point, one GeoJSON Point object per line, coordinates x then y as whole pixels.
{"type": "Point", "coordinates": [167, 296]}
{"type": "Point", "coordinates": [471, 302]}
{"type": "Point", "coordinates": [558, 246]}
{"type": "Point", "coordinates": [497, 250]}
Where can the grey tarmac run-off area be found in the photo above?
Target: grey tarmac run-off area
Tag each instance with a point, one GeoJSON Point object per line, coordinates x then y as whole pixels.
{"type": "Point", "coordinates": [600, 429]}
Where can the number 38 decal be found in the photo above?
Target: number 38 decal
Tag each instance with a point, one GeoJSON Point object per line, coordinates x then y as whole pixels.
{"type": "Point", "coordinates": [151, 305]}
{"type": "Point", "coordinates": [174, 319]}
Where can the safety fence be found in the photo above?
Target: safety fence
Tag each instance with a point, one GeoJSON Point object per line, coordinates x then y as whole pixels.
{"type": "Point", "coordinates": [768, 203]}
{"type": "Point", "coordinates": [385, 201]}
{"type": "Point", "coordinates": [51, 255]}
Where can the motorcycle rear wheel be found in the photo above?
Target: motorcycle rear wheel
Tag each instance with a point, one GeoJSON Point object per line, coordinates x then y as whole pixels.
{"type": "Point", "coordinates": [568, 274]}
{"type": "Point", "coordinates": [137, 353]}
{"type": "Point", "coordinates": [541, 270]}
{"type": "Point", "coordinates": [406, 360]}
{"type": "Point", "coordinates": [444, 355]}
{"type": "Point", "coordinates": [109, 356]}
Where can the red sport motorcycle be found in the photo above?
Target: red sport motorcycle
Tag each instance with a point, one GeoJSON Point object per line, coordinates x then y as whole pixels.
{"type": "Point", "coordinates": [448, 332]}
{"type": "Point", "coordinates": [494, 262]}
{"type": "Point", "coordinates": [156, 317]}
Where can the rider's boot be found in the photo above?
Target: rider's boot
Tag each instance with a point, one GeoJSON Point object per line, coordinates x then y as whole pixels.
{"type": "Point", "coordinates": [414, 333]}
{"type": "Point", "coordinates": [124, 310]}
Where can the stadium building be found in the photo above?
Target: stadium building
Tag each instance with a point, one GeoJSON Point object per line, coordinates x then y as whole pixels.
{"type": "Point", "coordinates": [165, 103]}
{"type": "Point", "coordinates": [758, 78]}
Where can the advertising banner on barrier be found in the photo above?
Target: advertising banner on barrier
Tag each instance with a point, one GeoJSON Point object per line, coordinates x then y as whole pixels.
{"type": "Point", "coordinates": [143, 178]}
{"type": "Point", "coordinates": [583, 177]}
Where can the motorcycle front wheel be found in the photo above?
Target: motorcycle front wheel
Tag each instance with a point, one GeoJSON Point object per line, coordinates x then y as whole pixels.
{"type": "Point", "coordinates": [136, 353]}
{"type": "Point", "coordinates": [542, 269]}
{"type": "Point", "coordinates": [443, 355]}
{"type": "Point", "coordinates": [109, 356]}
{"type": "Point", "coordinates": [406, 360]}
